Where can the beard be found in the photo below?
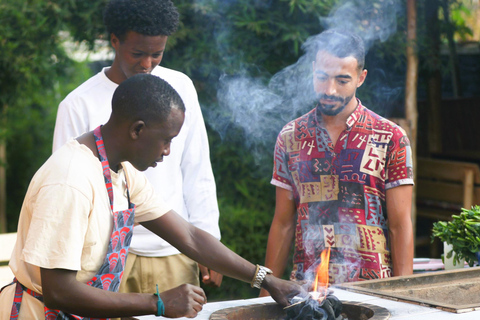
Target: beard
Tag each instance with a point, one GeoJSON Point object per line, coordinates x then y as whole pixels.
{"type": "Point", "coordinates": [329, 109]}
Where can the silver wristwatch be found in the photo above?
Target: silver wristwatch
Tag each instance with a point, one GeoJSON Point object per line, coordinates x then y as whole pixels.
{"type": "Point", "coordinates": [259, 276]}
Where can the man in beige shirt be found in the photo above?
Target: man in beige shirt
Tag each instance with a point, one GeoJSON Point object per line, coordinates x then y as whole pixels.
{"type": "Point", "coordinates": [77, 219]}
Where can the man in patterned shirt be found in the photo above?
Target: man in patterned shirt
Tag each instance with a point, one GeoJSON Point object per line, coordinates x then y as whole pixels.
{"type": "Point", "coordinates": [343, 178]}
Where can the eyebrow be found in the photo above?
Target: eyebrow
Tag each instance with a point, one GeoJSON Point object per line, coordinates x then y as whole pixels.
{"type": "Point", "coordinates": [340, 76]}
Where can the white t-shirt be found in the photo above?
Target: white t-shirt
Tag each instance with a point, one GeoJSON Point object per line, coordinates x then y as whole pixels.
{"type": "Point", "coordinates": [184, 179]}
{"type": "Point", "coordinates": [66, 220]}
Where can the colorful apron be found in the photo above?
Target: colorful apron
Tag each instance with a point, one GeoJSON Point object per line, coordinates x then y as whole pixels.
{"type": "Point", "coordinates": [110, 274]}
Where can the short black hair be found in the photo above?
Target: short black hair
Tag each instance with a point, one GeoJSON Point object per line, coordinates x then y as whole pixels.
{"type": "Point", "coordinates": [340, 43]}
{"type": "Point", "coordinates": [145, 97]}
{"type": "Point", "coordinates": [147, 17]}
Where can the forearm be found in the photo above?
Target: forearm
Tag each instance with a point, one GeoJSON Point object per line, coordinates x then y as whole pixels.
{"type": "Point", "coordinates": [218, 257]}
{"type": "Point", "coordinates": [400, 229]}
{"type": "Point", "coordinates": [401, 239]}
{"type": "Point", "coordinates": [201, 247]}
{"type": "Point", "coordinates": [62, 291]}
{"type": "Point", "coordinates": [278, 247]}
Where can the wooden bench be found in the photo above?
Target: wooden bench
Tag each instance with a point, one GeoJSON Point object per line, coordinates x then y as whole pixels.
{"type": "Point", "coordinates": [7, 242]}
{"type": "Point", "coordinates": [443, 188]}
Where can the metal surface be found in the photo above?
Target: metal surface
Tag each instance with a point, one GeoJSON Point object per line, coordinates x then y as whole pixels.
{"type": "Point", "coordinates": [454, 291]}
{"type": "Point", "coordinates": [273, 311]}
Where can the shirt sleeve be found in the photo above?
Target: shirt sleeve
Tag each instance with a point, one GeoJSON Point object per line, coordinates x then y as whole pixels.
{"type": "Point", "coordinates": [70, 123]}
{"type": "Point", "coordinates": [399, 168]}
{"type": "Point", "coordinates": [199, 189]}
{"type": "Point", "coordinates": [58, 226]}
{"type": "Point", "coordinates": [281, 176]}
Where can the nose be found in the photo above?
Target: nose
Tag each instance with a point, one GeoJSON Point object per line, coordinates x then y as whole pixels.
{"type": "Point", "coordinates": [146, 63]}
{"type": "Point", "coordinates": [330, 87]}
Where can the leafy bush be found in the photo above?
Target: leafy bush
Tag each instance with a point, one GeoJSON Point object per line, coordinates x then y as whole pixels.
{"type": "Point", "coordinates": [463, 233]}
{"type": "Point", "coordinates": [29, 134]}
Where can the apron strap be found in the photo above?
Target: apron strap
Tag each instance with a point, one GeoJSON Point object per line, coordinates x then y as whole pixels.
{"type": "Point", "coordinates": [97, 133]}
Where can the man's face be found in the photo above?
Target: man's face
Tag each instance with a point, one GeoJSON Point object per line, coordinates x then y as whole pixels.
{"type": "Point", "coordinates": [153, 141]}
{"type": "Point", "coordinates": [138, 53]}
{"type": "Point", "coordinates": [335, 81]}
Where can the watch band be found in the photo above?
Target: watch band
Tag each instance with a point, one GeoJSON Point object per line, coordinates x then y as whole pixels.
{"type": "Point", "coordinates": [260, 274]}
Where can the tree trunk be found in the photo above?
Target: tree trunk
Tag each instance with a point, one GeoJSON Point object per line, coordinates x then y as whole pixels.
{"type": "Point", "coordinates": [3, 175]}
{"type": "Point", "coordinates": [411, 89]}
{"type": "Point", "coordinates": [434, 78]}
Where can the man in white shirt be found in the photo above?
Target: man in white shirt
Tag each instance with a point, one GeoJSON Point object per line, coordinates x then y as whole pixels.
{"type": "Point", "coordinates": [139, 31]}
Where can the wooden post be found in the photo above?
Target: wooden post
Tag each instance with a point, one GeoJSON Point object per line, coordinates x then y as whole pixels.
{"type": "Point", "coordinates": [434, 80]}
{"type": "Point", "coordinates": [411, 111]}
{"type": "Point", "coordinates": [3, 175]}
{"type": "Point", "coordinates": [468, 191]}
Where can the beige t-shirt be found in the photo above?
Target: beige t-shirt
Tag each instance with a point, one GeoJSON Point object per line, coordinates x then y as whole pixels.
{"type": "Point", "coordinates": [66, 221]}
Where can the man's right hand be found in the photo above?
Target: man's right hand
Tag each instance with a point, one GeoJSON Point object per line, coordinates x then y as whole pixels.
{"type": "Point", "coordinates": [283, 290]}
{"type": "Point", "coordinates": [185, 300]}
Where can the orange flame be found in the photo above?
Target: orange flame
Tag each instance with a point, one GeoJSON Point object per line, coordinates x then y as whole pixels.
{"type": "Point", "coordinates": [322, 272]}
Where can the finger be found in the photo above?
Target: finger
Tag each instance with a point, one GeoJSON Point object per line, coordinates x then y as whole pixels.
{"type": "Point", "coordinates": [198, 307]}
{"type": "Point", "coordinates": [199, 296]}
{"type": "Point", "coordinates": [203, 271]}
{"type": "Point", "coordinates": [199, 299]}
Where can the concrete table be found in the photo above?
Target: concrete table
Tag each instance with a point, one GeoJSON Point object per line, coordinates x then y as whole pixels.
{"type": "Point", "coordinates": [398, 310]}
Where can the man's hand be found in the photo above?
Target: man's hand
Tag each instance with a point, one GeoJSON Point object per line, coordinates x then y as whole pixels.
{"type": "Point", "coordinates": [185, 300]}
{"type": "Point", "coordinates": [210, 277]}
{"type": "Point", "coordinates": [282, 291]}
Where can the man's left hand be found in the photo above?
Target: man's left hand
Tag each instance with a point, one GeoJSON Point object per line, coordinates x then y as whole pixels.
{"type": "Point", "coordinates": [210, 277]}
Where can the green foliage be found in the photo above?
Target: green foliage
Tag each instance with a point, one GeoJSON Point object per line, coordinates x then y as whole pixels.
{"type": "Point", "coordinates": [458, 14]}
{"type": "Point", "coordinates": [35, 74]}
{"type": "Point", "coordinates": [463, 233]}
{"type": "Point", "coordinates": [245, 231]}
{"type": "Point", "coordinates": [30, 132]}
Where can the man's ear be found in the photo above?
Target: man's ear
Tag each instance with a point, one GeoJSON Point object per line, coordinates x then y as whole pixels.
{"type": "Point", "coordinates": [362, 77]}
{"type": "Point", "coordinates": [136, 129]}
{"type": "Point", "coordinates": [114, 41]}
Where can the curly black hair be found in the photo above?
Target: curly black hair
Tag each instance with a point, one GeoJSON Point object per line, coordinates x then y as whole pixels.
{"type": "Point", "coordinates": [147, 17]}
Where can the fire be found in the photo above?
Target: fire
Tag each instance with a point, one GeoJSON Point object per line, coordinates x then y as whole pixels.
{"type": "Point", "coordinates": [322, 273]}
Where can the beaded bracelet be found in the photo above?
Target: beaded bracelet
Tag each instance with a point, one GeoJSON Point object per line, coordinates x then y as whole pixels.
{"type": "Point", "coordinates": [160, 305]}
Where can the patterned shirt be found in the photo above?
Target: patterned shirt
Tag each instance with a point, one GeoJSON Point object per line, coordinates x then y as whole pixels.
{"type": "Point", "coordinates": [339, 191]}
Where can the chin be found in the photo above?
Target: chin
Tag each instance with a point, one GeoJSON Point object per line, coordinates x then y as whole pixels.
{"type": "Point", "coordinates": [331, 111]}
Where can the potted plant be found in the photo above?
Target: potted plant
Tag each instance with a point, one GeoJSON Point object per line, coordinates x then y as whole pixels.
{"type": "Point", "coordinates": [462, 233]}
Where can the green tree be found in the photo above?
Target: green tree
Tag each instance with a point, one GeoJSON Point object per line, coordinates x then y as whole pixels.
{"type": "Point", "coordinates": [34, 70]}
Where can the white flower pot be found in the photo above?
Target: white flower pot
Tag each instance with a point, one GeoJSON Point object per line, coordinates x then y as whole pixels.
{"type": "Point", "coordinates": [448, 262]}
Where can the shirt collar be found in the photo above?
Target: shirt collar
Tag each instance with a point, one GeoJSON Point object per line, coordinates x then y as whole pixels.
{"type": "Point", "coordinates": [355, 115]}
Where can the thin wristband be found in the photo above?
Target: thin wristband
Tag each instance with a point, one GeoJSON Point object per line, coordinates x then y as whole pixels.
{"type": "Point", "coordinates": [160, 305]}
{"type": "Point", "coordinates": [255, 276]}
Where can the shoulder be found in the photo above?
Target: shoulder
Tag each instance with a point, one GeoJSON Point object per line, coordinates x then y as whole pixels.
{"type": "Point", "coordinates": [175, 78]}
{"type": "Point", "coordinates": [72, 165]}
{"type": "Point", "coordinates": [95, 87]}
{"type": "Point", "coordinates": [380, 123]}
{"type": "Point", "coordinates": [305, 119]}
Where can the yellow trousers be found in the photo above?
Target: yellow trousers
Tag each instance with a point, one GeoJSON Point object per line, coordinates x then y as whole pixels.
{"type": "Point", "coordinates": [141, 274]}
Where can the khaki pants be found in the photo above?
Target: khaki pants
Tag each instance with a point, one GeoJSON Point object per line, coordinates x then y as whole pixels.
{"type": "Point", "coordinates": [141, 274]}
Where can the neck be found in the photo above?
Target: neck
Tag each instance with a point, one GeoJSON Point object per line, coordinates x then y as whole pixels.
{"type": "Point", "coordinates": [112, 147]}
{"type": "Point", "coordinates": [115, 74]}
